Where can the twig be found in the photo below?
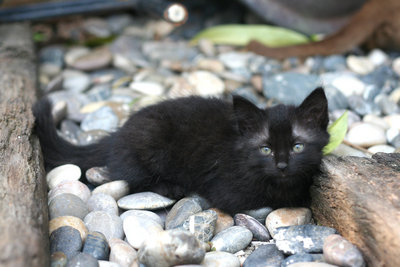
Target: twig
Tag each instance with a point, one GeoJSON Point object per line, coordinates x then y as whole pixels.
{"type": "Point", "coordinates": [357, 147]}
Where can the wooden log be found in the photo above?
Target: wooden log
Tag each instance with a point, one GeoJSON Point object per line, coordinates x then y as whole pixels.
{"type": "Point", "coordinates": [360, 197]}
{"type": "Point", "coordinates": [23, 198]}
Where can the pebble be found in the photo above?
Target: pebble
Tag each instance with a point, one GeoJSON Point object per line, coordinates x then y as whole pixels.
{"type": "Point", "coordinates": [63, 173]}
{"type": "Point", "coordinates": [220, 259]}
{"type": "Point", "coordinates": [339, 251]}
{"type": "Point", "coordinates": [67, 205]}
{"type": "Point", "coordinates": [122, 253]}
{"type": "Point", "coordinates": [58, 259]}
{"type": "Point", "coordinates": [302, 238]}
{"type": "Point", "coordinates": [144, 200]}
{"type": "Point", "coordinates": [366, 135]}
{"type": "Point", "coordinates": [232, 239]}
{"type": "Point", "coordinates": [97, 27]}
{"type": "Point", "coordinates": [171, 247]}
{"type": "Point", "coordinates": [75, 81]}
{"type": "Point", "coordinates": [287, 217]}
{"type": "Point", "coordinates": [143, 213]}
{"type": "Point", "coordinates": [147, 88]}
{"type": "Point", "coordinates": [201, 225]}
{"type": "Point", "coordinates": [116, 189]}
{"type": "Point", "coordinates": [181, 211]}
{"type": "Point", "coordinates": [138, 229]}
{"type": "Point", "coordinates": [360, 65]}
{"type": "Point", "coordinates": [76, 188]}
{"type": "Point", "coordinates": [311, 264]}
{"type": "Point", "coordinates": [258, 230]}
{"type": "Point", "coordinates": [96, 245]}
{"type": "Point", "coordinates": [265, 256]}
{"type": "Point", "coordinates": [393, 121]}
{"type": "Point", "coordinates": [71, 221]}
{"type": "Point", "coordinates": [381, 148]}
{"type": "Point", "coordinates": [334, 63]}
{"type": "Point", "coordinates": [97, 175]}
{"type": "Point", "coordinates": [348, 84]}
{"type": "Point", "coordinates": [302, 258]}
{"type": "Point", "coordinates": [396, 65]}
{"type": "Point", "coordinates": [259, 214]}
{"type": "Point", "coordinates": [83, 259]}
{"type": "Point", "coordinates": [67, 240]}
{"type": "Point", "coordinates": [109, 225]}
{"type": "Point", "coordinates": [224, 221]}
{"type": "Point", "coordinates": [235, 60]}
{"type": "Point", "coordinates": [110, 264]}
{"type": "Point", "coordinates": [344, 150]}
{"type": "Point", "coordinates": [377, 57]}
{"type": "Point", "coordinates": [103, 202]}
{"type": "Point", "coordinates": [371, 118]}
{"type": "Point", "coordinates": [289, 87]}
{"type": "Point", "coordinates": [102, 119]}
{"type": "Point", "coordinates": [206, 83]}
{"type": "Point", "coordinates": [210, 64]}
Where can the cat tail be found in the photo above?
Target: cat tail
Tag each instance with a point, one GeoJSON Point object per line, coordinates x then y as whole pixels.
{"type": "Point", "coordinates": [57, 151]}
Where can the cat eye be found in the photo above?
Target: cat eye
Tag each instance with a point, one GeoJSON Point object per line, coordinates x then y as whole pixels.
{"type": "Point", "coordinates": [265, 150]}
{"type": "Point", "coordinates": [299, 147]}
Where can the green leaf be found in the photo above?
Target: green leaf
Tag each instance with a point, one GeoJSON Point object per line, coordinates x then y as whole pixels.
{"type": "Point", "coordinates": [237, 34]}
{"type": "Point", "coordinates": [337, 131]}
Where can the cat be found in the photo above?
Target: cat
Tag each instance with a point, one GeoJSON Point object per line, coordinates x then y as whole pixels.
{"type": "Point", "coordinates": [234, 154]}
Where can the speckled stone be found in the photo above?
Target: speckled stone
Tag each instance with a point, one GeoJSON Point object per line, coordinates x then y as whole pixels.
{"type": "Point", "coordinates": [258, 230]}
{"type": "Point", "coordinates": [83, 259]}
{"type": "Point", "coordinates": [181, 211]}
{"type": "Point", "coordinates": [108, 224]}
{"type": "Point", "coordinates": [122, 253]}
{"type": "Point", "coordinates": [265, 256]}
{"type": "Point", "coordinates": [66, 240]}
{"type": "Point", "coordinates": [220, 259]}
{"type": "Point", "coordinates": [303, 257]}
{"type": "Point", "coordinates": [67, 205]}
{"type": "Point", "coordinates": [201, 225]}
{"type": "Point", "coordinates": [145, 214]}
{"type": "Point", "coordinates": [339, 251]}
{"type": "Point", "coordinates": [232, 239]}
{"type": "Point", "coordinates": [287, 217]}
{"type": "Point", "coordinates": [116, 189]}
{"type": "Point", "coordinates": [98, 175]}
{"type": "Point", "coordinates": [64, 173]}
{"type": "Point", "coordinates": [74, 222]}
{"type": "Point", "coordinates": [302, 238]}
{"type": "Point", "coordinates": [144, 200]}
{"type": "Point", "coordinates": [96, 245]}
{"type": "Point", "coordinates": [171, 247]}
{"type": "Point", "coordinates": [103, 202]}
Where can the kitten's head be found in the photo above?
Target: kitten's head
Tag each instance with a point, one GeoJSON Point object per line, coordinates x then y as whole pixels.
{"type": "Point", "coordinates": [284, 142]}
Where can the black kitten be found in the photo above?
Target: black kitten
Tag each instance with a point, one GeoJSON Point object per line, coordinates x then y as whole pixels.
{"type": "Point", "coordinates": [236, 155]}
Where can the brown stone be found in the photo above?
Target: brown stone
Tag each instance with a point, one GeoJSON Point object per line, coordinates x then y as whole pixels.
{"type": "Point", "coordinates": [23, 202]}
{"type": "Point", "coordinates": [360, 197]}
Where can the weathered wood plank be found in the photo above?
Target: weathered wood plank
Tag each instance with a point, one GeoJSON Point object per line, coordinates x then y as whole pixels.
{"type": "Point", "coordinates": [360, 197]}
{"type": "Point", "coordinates": [23, 198]}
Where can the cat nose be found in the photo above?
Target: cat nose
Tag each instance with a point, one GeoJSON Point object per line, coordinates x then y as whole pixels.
{"type": "Point", "coordinates": [281, 165]}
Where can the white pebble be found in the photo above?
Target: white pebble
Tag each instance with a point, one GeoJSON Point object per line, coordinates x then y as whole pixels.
{"type": "Point", "coordinates": [116, 189]}
{"type": "Point", "coordinates": [377, 57]}
{"type": "Point", "coordinates": [63, 173]}
{"type": "Point", "coordinates": [360, 65]}
{"type": "Point", "coordinates": [147, 88]}
{"type": "Point", "coordinates": [381, 148]}
{"type": "Point", "coordinates": [139, 229]}
{"type": "Point", "coordinates": [349, 85]}
{"type": "Point", "coordinates": [396, 65]}
{"type": "Point", "coordinates": [366, 135]}
{"type": "Point", "coordinates": [206, 83]}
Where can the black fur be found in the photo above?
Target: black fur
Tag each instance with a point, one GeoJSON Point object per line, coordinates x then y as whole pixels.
{"type": "Point", "coordinates": [207, 146]}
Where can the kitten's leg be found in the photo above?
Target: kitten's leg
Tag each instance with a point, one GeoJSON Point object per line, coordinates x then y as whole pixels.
{"type": "Point", "coordinates": [169, 190]}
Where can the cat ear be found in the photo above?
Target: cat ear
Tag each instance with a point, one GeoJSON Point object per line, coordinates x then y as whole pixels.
{"type": "Point", "coordinates": [247, 115]}
{"type": "Point", "coordinates": [314, 108]}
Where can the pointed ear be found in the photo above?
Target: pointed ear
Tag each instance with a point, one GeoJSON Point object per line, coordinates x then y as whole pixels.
{"type": "Point", "coordinates": [314, 108]}
{"type": "Point", "coordinates": [247, 115]}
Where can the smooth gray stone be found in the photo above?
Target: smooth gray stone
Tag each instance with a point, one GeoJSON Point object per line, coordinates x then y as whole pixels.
{"type": "Point", "coordinates": [304, 257]}
{"type": "Point", "coordinates": [99, 92]}
{"type": "Point", "coordinates": [66, 240]}
{"type": "Point", "coordinates": [67, 205]}
{"type": "Point", "coordinates": [139, 229]}
{"type": "Point", "coordinates": [102, 119]}
{"type": "Point", "coordinates": [103, 202]}
{"type": "Point", "coordinates": [334, 63]}
{"type": "Point", "coordinates": [232, 240]}
{"type": "Point", "coordinates": [144, 201]}
{"type": "Point", "coordinates": [83, 259]}
{"type": "Point", "coordinates": [259, 214]}
{"type": "Point", "coordinates": [265, 256]}
{"type": "Point", "coordinates": [181, 211]}
{"type": "Point", "coordinates": [336, 99]}
{"type": "Point", "coordinates": [108, 224]}
{"type": "Point", "coordinates": [258, 230]}
{"type": "Point", "coordinates": [171, 247]}
{"type": "Point", "coordinates": [302, 238]}
{"type": "Point", "coordinates": [201, 224]}
{"type": "Point", "coordinates": [290, 87]}
{"type": "Point", "coordinates": [220, 259]}
{"type": "Point", "coordinates": [96, 245]}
